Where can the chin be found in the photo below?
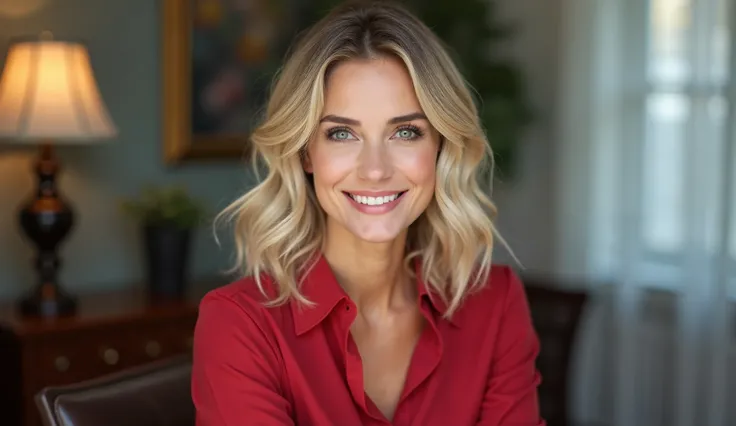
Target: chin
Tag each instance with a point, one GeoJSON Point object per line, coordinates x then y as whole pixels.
{"type": "Point", "coordinates": [377, 236]}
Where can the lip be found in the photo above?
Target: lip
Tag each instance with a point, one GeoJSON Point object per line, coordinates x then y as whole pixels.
{"type": "Point", "coordinates": [375, 193]}
{"type": "Point", "coordinates": [374, 210]}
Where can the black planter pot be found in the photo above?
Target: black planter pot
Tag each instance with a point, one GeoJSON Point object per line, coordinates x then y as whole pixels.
{"type": "Point", "coordinates": [167, 261]}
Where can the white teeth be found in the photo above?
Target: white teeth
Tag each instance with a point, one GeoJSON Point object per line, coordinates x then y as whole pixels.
{"type": "Point", "coordinates": [374, 201]}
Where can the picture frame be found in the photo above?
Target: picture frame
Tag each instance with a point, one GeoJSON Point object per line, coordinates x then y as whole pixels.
{"type": "Point", "coordinates": [218, 60]}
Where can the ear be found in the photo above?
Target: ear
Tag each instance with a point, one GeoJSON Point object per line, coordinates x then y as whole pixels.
{"type": "Point", "coordinates": [306, 162]}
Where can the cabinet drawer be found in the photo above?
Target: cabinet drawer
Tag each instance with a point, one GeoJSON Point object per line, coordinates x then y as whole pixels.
{"type": "Point", "coordinates": [71, 357]}
{"type": "Point", "coordinates": [67, 358]}
{"type": "Point", "coordinates": [160, 340]}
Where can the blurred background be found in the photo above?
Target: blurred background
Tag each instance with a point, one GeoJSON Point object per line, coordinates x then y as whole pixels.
{"type": "Point", "coordinates": [612, 122]}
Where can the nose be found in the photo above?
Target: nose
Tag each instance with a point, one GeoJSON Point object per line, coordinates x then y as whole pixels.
{"type": "Point", "coordinates": [375, 162]}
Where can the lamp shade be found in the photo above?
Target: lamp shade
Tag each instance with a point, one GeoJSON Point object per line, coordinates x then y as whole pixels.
{"type": "Point", "coordinates": [48, 93]}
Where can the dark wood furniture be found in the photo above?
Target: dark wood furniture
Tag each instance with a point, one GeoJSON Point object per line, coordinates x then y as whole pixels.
{"type": "Point", "coordinates": [110, 332]}
{"type": "Point", "coordinates": [556, 314]}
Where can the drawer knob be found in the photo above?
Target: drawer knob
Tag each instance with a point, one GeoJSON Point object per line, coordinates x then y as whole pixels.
{"type": "Point", "coordinates": [153, 348]}
{"type": "Point", "coordinates": [110, 356]}
{"type": "Point", "coordinates": [61, 363]}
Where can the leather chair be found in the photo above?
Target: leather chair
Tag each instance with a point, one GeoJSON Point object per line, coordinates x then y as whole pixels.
{"type": "Point", "coordinates": [155, 394]}
{"type": "Point", "coordinates": [556, 314]}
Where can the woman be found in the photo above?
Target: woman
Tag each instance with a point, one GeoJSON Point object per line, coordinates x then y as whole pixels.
{"type": "Point", "coordinates": [370, 297]}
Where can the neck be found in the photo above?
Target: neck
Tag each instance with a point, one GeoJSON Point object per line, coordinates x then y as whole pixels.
{"type": "Point", "coordinates": [372, 274]}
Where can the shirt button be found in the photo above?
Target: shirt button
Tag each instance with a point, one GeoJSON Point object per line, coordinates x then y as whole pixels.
{"type": "Point", "coordinates": [347, 307]}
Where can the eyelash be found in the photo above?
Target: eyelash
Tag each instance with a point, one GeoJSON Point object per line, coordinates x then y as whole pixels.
{"type": "Point", "coordinates": [417, 131]}
{"type": "Point", "coordinates": [330, 133]}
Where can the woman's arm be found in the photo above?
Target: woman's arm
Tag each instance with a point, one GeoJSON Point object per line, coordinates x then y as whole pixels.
{"type": "Point", "coordinates": [235, 373]}
{"type": "Point", "coordinates": [511, 392]}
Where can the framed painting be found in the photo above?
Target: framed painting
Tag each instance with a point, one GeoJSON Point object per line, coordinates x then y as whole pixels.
{"type": "Point", "coordinates": [219, 58]}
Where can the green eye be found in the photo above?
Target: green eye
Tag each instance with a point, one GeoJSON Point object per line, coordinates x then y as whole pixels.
{"type": "Point", "coordinates": [341, 134]}
{"type": "Point", "coordinates": [405, 133]}
{"type": "Point", "coordinates": [408, 133]}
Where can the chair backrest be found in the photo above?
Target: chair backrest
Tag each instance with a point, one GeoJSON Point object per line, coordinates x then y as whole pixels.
{"type": "Point", "coordinates": [155, 394]}
{"type": "Point", "coordinates": [556, 314]}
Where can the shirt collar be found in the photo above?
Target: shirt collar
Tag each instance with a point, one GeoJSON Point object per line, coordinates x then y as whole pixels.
{"type": "Point", "coordinates": [320, 286]}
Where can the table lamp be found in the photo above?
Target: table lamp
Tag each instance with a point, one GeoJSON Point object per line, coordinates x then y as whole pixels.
{"type": "Point", "coordinates": [49, 96]}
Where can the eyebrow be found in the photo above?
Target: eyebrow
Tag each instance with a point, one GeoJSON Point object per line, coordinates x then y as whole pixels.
{"type": "Point", "coordinates": [352, 122]}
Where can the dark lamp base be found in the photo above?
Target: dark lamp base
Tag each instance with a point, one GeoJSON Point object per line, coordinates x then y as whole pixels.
{"type": "Point", "coordinates": [48, 301]}
{"type": "Point", "coordinates": [46, 219]}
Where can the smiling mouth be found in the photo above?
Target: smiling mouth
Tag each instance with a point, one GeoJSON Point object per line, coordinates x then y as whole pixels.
{"type": "Point", "coordinates": [375, 201]}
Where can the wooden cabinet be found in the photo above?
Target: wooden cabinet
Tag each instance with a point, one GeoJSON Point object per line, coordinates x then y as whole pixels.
{"type": "Point", "coordinates": [110, 332]}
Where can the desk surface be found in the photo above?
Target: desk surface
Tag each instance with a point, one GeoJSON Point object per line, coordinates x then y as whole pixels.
{"type": "Point", "coordinates": [106, 308]}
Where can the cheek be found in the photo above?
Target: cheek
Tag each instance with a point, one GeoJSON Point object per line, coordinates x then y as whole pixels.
{"type": "Point", "coordinates": [420, 166]}
{"type": "Point", "coordinates": [330, 166]}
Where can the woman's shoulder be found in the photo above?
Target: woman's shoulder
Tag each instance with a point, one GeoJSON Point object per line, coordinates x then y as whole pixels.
{"type": "Point", "coordinates": [246, 295]}
{"type": "Point", "coordinates": [235, 328]}
{"type": "Point", "coordinates": [503, 281]}
{"type": "Point", "coordinates": [503, 291]}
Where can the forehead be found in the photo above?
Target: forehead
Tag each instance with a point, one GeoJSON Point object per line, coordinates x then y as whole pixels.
{"type": "Point", "coordinates": [370, 87]}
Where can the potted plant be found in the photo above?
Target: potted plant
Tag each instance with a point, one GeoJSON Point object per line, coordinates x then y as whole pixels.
{"type": "Point", "coordinates": [168, 216]}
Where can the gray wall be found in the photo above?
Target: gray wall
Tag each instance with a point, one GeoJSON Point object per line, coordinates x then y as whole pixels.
{"type": "Point", "coordinates": [527, 204]}
{"type": "Point", "coordinates": [122, 36]}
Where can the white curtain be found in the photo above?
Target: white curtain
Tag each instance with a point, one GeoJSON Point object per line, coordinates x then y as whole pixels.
{"type": "Point", "coordinates": [647, 207]}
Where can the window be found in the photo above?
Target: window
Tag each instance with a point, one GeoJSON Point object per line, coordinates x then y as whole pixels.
{"type": "Point", "coordinates": [648, 202]}
{"type": "Point", "coordinates": [677, 74]}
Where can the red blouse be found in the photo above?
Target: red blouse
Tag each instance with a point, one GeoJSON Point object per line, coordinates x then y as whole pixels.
{"type": "Point", "coordinates": [292, 365]}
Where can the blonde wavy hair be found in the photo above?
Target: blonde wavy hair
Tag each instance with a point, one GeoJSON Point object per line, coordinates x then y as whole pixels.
{"type": "Point", "coordinates": [279, 225]}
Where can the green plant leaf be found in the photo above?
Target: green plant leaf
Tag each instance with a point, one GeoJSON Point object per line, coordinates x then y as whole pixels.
{"type": "Point", "coordinates": [165, 206]}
